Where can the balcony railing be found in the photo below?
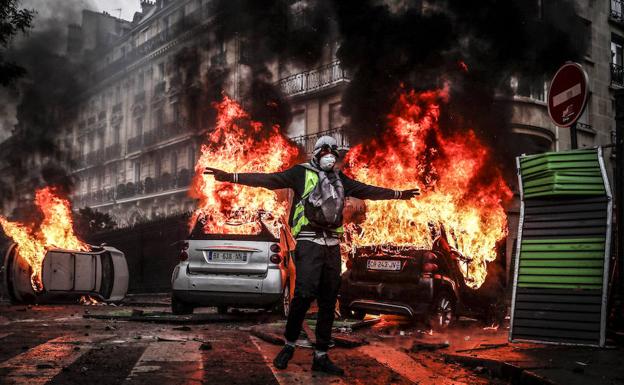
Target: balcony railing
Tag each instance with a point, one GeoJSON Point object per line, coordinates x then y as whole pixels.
{"type": "Point", "coordinates": [617, 75]}
{"type": "Point", "coordinates": [306, 142]}
{"type": "Point", "coordinates": [315, 80]}
{"type": "Point", "coordinates": [135, 144]}
{"type": "Point", "coordinates": [617, 7]}
{"type": "Point", "coordinates": [113, 152]}
{"type": "Point", "coordinates": [160, 134]}
{"type": "Point", "coordinates": [96, 157]}
{"type": "Point", "coordinates": [201, 15]}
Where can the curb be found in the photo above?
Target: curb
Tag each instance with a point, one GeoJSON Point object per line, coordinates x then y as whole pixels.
{"type": "Point", "coordinates": [500, 369]}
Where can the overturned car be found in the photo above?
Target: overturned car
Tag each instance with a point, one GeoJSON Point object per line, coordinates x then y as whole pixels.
{"type": "Point", "coordinates": [417, 283]}
{"type": "Point", "coordinates": [67, 275]}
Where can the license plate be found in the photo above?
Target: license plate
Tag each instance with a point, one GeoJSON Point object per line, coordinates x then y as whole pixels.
{"type": "Point", "coordinates": [373, 264]}
{"type": "Point", "coordinates": [227, 256]}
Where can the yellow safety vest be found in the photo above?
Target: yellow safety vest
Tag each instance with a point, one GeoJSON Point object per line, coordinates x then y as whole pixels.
{"type": "Point", "coordinates": [299, 218]}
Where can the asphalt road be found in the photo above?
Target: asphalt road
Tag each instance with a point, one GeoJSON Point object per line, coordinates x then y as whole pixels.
{"type": "Point", "coordinates": [58, 345]}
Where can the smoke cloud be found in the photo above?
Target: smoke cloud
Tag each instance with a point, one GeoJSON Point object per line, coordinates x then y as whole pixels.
{"type": "Point", "coordinates": [475, 45]}
{"type": "Point", "coordinates": [38, 108]}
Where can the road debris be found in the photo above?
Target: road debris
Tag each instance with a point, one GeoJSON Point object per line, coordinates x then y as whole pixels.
{"type": "Point", "coordinates": [419, 346]}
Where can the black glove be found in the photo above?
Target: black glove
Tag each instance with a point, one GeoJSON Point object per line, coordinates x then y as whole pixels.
{"type": "Point", "coordinates": [219, 175]}
{"type": "Point", "coordinates": [409, 194]}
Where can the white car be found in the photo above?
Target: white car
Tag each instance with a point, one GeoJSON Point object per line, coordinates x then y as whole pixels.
{"type": "Point", "coordinates": [67, 275]}
{"type": "Point", "coordinates": [242, 271]}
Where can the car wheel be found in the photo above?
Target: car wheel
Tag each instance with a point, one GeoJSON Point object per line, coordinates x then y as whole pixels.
{"type": "Point", "coordinates": [222, 309]}
{"type": "Point", "coordinates": [283, 305]}
{"type": "Point", "coordinates": [179, 307]}
{"type": "Point", "coordinates": [442, 312]}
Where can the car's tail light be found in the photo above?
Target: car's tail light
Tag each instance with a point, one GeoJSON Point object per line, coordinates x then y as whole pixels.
{"type": "Point", "coordinates": [429, 267]}
{"type": "Point", "coordinates": [275, 258]}
{"type": "Point", "coordinates": [275, 248]}
{"type": "Point", "coordinates": [183, 254]}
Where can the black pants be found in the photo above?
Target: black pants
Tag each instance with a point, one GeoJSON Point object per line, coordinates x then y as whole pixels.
{"type": "Point", "coordinates": [318, 277]}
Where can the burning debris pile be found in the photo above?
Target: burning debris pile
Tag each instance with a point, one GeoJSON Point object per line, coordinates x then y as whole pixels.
{"type": "Point", "coordinates": [240, 144]}
{"type": "Point", "coordinates": [462, 190]}
{"type": "Point", "coordinates": [55, 231]}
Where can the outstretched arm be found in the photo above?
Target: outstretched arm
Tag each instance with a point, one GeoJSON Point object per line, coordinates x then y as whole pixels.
{"type": "Point", "coordinates": [272, 181]}
{"type": "Point", "coordinates": [364, 191]}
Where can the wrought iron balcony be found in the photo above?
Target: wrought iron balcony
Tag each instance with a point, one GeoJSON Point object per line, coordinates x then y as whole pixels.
{"type": "Point", "coordinates": [306, 142]}
{"type": "Point", "coordinates": [113, 152]}
{"type": "Point", "coordinates": [317, 79]}
{"type": "Point", "coordinates": [617, 75]}
{"type": "Point", "coordinates": [95, 158]}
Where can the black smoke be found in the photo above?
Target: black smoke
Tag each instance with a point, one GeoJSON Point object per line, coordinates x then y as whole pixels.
{"type": "Point", "coordinates": [477, 45]}
{"type": "Point", "coordinates": [269, 31]}
{"type": "Point", "coordinates": [44, 100]}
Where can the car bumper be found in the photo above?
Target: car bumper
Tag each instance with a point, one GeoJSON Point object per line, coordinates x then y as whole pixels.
{"type": "Point", "coordinates": [409, 299]}
{"type": "Point", "coordinates": [216, 298]}
{"type": "Point", "coordinates": [228, 290]}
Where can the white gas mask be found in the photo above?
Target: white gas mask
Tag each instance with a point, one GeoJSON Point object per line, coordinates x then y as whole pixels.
{"type": "Point", "coordinates": [327, 162]}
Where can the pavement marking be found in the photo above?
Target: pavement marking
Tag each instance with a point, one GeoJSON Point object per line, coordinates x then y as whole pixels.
{"type": "Point", "coordinates": [158, 354]}
{"type": "Point", "coordinates": [404, 365]}
{"type": "Point", "coordinates": [41, 363]}
{"type": "Point", "coordinates": [295, 372]}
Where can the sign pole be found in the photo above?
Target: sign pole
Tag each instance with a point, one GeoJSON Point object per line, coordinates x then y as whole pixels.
{"type": "Point", "coordinates": [573, 136]}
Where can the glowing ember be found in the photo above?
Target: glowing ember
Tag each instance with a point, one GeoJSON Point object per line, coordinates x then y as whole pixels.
{"type": "Point", "coordinates": [87, 300]}
{"type": "Point", "coordinates": [55, 231]}
{"type": "Point", "coordinates": [461, 187]}
{"type": "Point", "coordinates": [239, 144]}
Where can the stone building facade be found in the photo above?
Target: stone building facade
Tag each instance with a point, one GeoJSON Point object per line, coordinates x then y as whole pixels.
{"type": "Point", "coordinates": [135, 140]}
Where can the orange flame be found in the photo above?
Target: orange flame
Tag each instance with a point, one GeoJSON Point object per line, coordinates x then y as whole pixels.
{"type": "Point", "coordinates": [462, 189]}
{"type": "Point", "coordinates": [239, 144]}
{"type": "Point", "coordinates": [55, 231]}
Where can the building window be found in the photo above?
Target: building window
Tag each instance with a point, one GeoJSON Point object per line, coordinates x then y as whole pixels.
{"type": "Point", "coordinates": [137, 171]}
{"type": "Point", "coordinates": [336, 119]}
{"type": "Point", "coordinates": [159, 118]}
{"type": "Point", "coordinates": [141, 82]}
{"type": "Point", "coordinates": [297, 126]}
{"type": "Point", "coordinates": [529, 88]}
{"type": "Point", "coordinates": [161, 71]}
{"type": "Point", "coordinates": [138, 126]}
{"type": "Point", "coordinates": [617, 55]}
{"type": "Point", "coordinates": [116, 134]}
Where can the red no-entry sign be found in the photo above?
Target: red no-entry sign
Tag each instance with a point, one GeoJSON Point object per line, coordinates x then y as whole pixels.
{"type": "Point", "coordinates": [567, 95]}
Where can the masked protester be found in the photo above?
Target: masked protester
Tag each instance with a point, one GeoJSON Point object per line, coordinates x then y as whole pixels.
{"type": "Point", "coordinates": [316, 222]}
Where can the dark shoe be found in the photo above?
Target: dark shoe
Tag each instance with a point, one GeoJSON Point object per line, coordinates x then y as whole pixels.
{"type": "Point", "coordinates": [324, 364]}
{"type": "Point", "coordinates": [281, 361]}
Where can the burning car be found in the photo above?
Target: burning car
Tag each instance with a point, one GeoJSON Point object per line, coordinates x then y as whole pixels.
{"type": "Point", "coordinates": [417, 283]}
{"type": "Point", "coordinates": [233, 270]}
{"type": "Point", "coordinates": [67, 275]}
{"type": "Point", "coordinates": [48, 262]}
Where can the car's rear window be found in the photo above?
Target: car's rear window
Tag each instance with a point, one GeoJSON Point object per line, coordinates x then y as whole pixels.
{"type": "Point", "coordinates": [264, 235]}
